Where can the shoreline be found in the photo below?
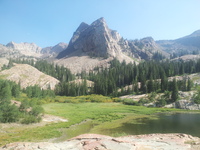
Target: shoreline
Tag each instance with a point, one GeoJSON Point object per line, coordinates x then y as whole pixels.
{"type": "Point", "coordinates": [96, 141]}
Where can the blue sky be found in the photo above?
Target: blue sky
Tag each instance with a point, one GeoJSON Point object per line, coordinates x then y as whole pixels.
{"type": "Point", "coordinates": [48, 22]}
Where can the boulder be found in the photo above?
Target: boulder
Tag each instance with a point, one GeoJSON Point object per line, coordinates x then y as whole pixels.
{"type": "Point", "coordinates": [187, 104]}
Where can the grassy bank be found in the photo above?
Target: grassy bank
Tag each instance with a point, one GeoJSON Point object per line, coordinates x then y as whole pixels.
{"type": "Point", "coordinates": [100, 114]}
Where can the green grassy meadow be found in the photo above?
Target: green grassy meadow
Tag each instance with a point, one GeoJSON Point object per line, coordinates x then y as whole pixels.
{"type": "Point", "coordinates": [81, 116]}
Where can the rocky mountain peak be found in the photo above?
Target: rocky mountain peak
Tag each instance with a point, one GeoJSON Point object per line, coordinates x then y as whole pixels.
{"type": "Point", "coordinates": [82, 27]}
{"type": "Point", "coordinates": [95, 40]}
{"type": "Point", "coordinates": [59, 47]}
{"type": "Point", "coordinates": [99, 22]}
{"type": "Point", "coordinates": [10, 44]}
{"type": "Point", "coordinates": [149, 42]}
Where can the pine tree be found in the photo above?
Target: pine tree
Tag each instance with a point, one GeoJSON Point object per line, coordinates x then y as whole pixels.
{"type": "Point", "coordinates": [189, 85]}
{"type": "Point", "coordinates": [174, 96]}
{"type": "Point", "coordinates": [15, 90]}
{"type": "Point", "coordinates": [150, 86]}
{"type": "Point", "coordinates": [5, 93]}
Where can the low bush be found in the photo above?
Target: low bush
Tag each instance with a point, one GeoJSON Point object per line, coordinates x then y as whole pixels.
{"type": "Point", "coordinates": [28, 119]}
{"type": "Point", "coordinates": [130, 102]}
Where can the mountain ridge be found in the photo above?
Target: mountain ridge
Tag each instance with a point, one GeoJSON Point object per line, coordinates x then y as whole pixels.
{"type": "Point", "coordinates": [184, 45]}
{"type": "Point", "coordinates": [25, 49]}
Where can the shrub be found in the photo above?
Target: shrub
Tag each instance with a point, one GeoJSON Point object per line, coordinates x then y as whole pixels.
{"type": "Point", "coordinates": [117, 100]}
{"type": "Point", "coordinates": [130, 102]}
{"type": "Point", "coordinates": [30, 119]}
{"type": "Point", "coordinates": [36, 110]}
{"type": "Point", "coordinates": [143, 101]}
{"type": "Point", "coordinates": [161, 102]}
{"type": "Point", "coordinates": [197, 97]}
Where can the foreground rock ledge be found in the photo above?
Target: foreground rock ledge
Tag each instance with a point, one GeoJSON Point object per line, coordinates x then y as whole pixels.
{"type": "Point", "coordinates": [101, 142]}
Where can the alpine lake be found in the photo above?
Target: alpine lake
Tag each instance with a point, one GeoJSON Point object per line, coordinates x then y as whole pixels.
{"type": "Point", "coordinates": [187, 123]}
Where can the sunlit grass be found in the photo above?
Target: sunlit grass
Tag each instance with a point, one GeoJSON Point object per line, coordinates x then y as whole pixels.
{"type": "Point", "coordinates": [104, 115]}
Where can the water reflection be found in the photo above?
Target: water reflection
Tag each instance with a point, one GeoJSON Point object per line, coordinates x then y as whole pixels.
{"type": "Point", "coordinates": [188, 123]}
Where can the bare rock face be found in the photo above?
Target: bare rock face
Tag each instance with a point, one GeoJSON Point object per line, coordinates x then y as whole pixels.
{"type": "Point", "coordinates": [96, 40]}
{"type": "Point", "coordinates": [101, 142]}
{"type": "Point", "coordinates": [27, 49]}
{"type": "Point", "coordinates": [8, 52]}
{"type": "Point", "coordinates": [59, 47]}
{"type": "Point", "coordinates": [187, 104]}
{"type": "Point", "coordinates": [27, 75]}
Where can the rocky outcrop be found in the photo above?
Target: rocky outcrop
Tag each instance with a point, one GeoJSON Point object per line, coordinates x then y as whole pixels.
{"type": "Point", "coordinates": [27, 75]}
{"type": "Point", "coordinates": [101, 142]}
{"type": "Point", "coordinates": [187, 104]}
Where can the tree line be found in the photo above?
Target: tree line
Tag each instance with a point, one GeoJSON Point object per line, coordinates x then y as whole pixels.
{"type": "Point", "coordinates": [121, 78]}
{"type": "Point", "coordinates": [146, 77]}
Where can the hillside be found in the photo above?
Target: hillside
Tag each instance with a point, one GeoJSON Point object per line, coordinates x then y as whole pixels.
{"type": "Point", "coordinates": [186, 45]}
{"type": "Point", "coordinates": [27, 75]}
{"type": "Point", "coordinates": [3, 61]}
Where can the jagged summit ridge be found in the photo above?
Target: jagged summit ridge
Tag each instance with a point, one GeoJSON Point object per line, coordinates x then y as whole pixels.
{"type": "Point", "coordinates": [99, 22]}
{"type": "Point", "coordinates": [31, 47]}
{"type": "Point", "coordinates": [28, 49]}
{"type": "Point", "coordinates": [25, 49]}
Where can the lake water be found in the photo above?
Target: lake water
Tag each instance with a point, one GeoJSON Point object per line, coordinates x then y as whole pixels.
{"type": "Point", "coordinates": [188, 123]}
